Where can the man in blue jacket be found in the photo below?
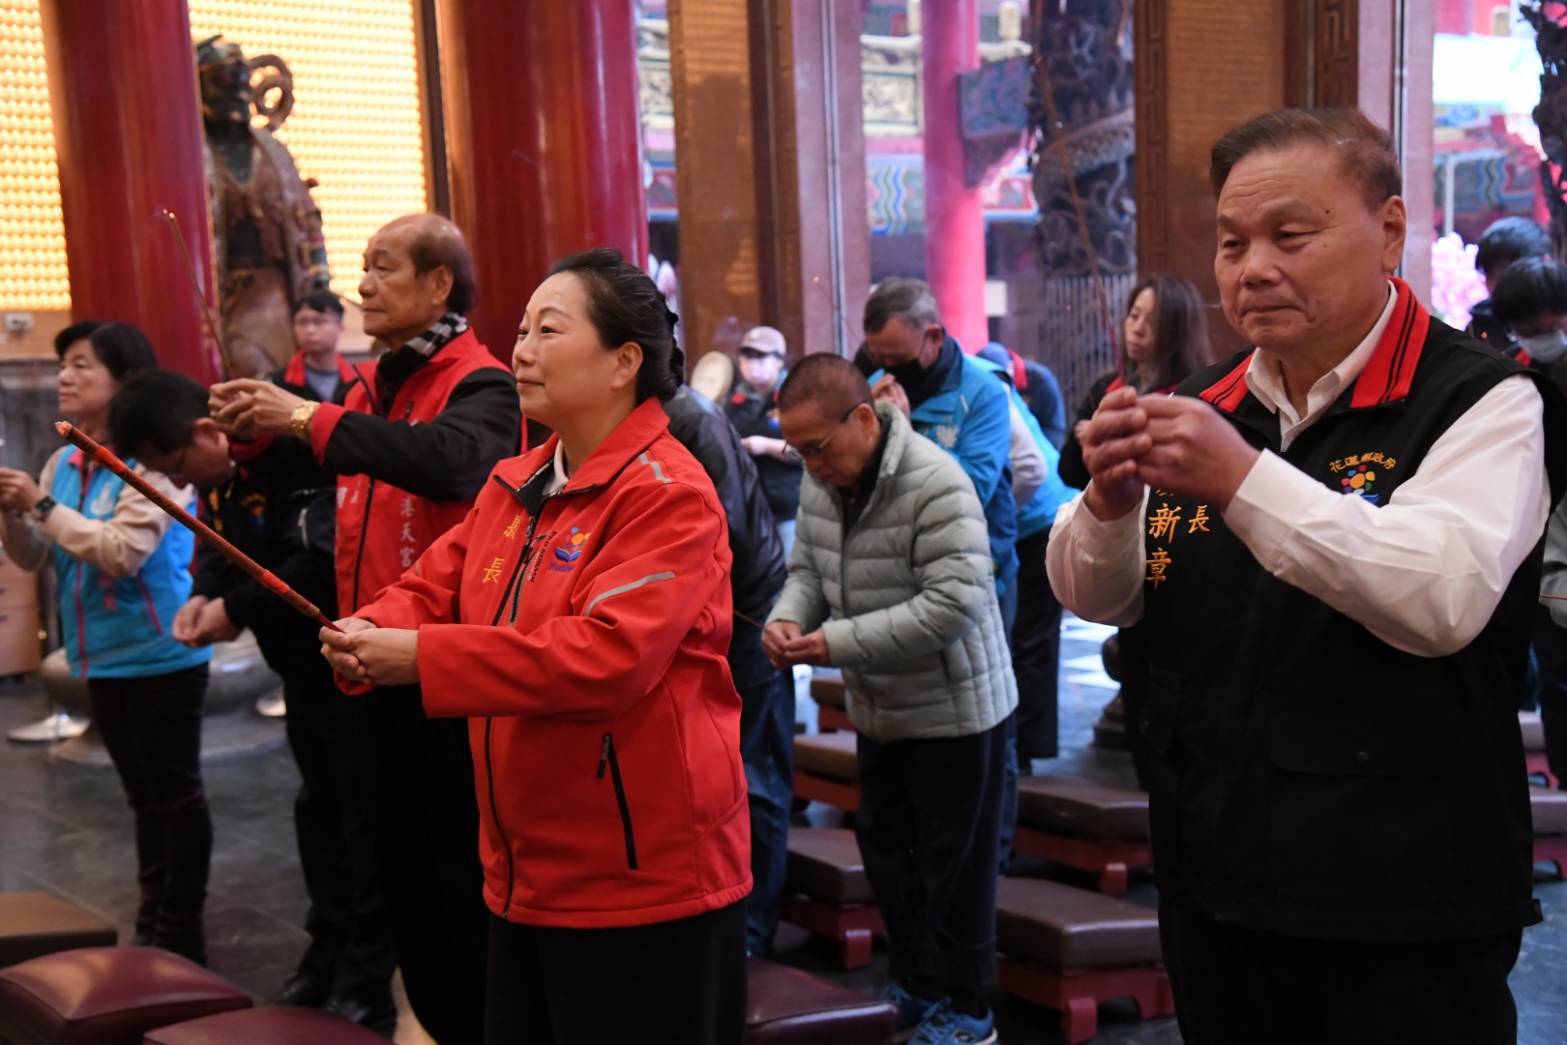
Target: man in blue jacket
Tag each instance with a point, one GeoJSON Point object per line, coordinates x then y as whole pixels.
{"type": "Point", "coordinates": [913, 363]}
{"type": "Point", "coordinates": [1036, 634]}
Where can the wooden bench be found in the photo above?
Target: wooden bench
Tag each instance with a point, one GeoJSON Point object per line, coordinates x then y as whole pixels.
{"type": "Point", "coordinates": [101, 995]}
{"type": "Point", "coordinates": [33, 924]}
{"type": "Point", "coordinates": [829, 894]}
{"type": "Point", "coordinates": [1533, 731]}
{"type": "Point", "coordinates": [1549, 810]}
{"type": "Point", "coordinates": [825, 769]}
{"type": "Point", "coordinates": [271, 1025]}
{"type": "Point", "coordinates": [1070, 949]}
{"type": "Point", "coordinates": [786, 1006]}
{"type": "Point", "coordinates": [832, 707]}
{"type": "Point", "coordinates": [1083, 825]}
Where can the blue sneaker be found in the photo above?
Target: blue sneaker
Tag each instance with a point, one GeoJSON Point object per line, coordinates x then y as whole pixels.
{"type": "Point", "coordinates": [911, 1010]}
{"type": "Point", "coordinates": [944, 1026]}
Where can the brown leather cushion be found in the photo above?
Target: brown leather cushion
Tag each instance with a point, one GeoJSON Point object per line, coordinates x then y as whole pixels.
{"type": "Point", "coordinates": [107, 995]}
{"type": "Point", "coordinates": [786, 1006]}
{"type": "Point", "coordinates": [272, 1025]}
{"type": "Point", "coordinates": [1055, 803]}
{"type": "Point", "coordinates": [34, 924]}
{"type": "Point", "coordinates": [830, 691]}
{"type": "Point", "coordinates": [828, 755]}
{"type": "Point", "coordinates": [1533, 731]}
{"type": "Point", "coordinates": [1549, 809]}
{"type": "Point", "coordinates": [824, 863]}
{"type": "Point", "coordinates": [1069, 928]}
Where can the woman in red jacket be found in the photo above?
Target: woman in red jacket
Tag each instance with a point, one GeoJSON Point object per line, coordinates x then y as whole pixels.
{"type": "Point", "coordinates": [579, 617]}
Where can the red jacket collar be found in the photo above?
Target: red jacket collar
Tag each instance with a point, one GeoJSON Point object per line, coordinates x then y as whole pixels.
{"type": "Point", "coordinates": [294, 372]}
{"type": "Point", "coordinates": [1387, 375]}
{"type": "Point", "coordinates": [629, 439]}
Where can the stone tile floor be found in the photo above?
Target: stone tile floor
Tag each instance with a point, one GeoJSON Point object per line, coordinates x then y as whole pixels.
{"type": "Point", "coordinates": [64, 828]}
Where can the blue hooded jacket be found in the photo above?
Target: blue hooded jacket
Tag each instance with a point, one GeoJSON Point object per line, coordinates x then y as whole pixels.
{"type": "Point", "coordinates": [1040, 511]}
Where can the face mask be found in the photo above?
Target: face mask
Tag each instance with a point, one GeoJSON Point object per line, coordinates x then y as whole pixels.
{"type": "Point", "coordinates": [1547, 348]}
{"type": "Point", "coordinates": [908, 374]}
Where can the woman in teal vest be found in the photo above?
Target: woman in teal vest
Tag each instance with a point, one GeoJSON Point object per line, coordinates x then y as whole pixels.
{"type": "Point", "coordinates": [123, 574]}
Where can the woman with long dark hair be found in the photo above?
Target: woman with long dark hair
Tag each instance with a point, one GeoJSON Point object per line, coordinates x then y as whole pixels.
{"type": "Point", "coordinates": [124, 572]}
{"type": "Point", "coordinates": [580, 618]}
{"type": "Point", "coordinates": [1164, 338]}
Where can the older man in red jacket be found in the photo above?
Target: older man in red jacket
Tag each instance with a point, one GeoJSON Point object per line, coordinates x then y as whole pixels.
{"type": "Point", "coordinates": [412, 444]}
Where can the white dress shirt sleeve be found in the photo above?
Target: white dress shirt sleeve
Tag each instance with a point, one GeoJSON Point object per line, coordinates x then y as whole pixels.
{"type": "Point", "coordinates": [1096, 568]}
{"type": "Point", "coordinates": [1425, 571]}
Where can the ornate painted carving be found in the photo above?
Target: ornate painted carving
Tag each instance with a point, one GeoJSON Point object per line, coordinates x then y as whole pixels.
{"type": "Point", "coordinates": [1551, 114]}
{"type": "Point", "coordinates": [1085, 139]}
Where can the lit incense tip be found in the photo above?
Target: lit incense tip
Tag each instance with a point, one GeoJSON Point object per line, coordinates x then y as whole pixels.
{"type": "Point", "coordinates": [63, 427]}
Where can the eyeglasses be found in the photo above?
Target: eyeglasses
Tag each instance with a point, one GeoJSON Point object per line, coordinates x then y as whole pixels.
{"type": "Point", "coordinates": [747, 352]}
{"type": "Point", "coordinates": [811, 451]}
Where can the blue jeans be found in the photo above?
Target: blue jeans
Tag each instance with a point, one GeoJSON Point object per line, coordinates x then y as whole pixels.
{"type": "Point", "coordinates": [767, 748]}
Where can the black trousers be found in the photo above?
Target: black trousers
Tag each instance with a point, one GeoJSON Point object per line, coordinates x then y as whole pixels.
{"type": "Point", "coordinates": [1036, 653]}
{"type": "Point", "coordinates": [1550, 650]}
{"type": "Point", "coordinates": [351, 946]}
{"type": "Point", "coordinates": [426, 824]}
{"type": "Point", "coordinates": [680, 981]}
{"type": "Point", "coordinates": [1238, 986]}
{"type": "Point", "coordinates": [152, 728]}
{"type": "Point", "coordinates": [928, 827]}
{"type": "Point", "coordinates": [767, 749]}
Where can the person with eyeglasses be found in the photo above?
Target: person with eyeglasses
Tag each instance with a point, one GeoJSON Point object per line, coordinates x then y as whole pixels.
{"type": "Point", "coordinates": [892, 581]}
{"type": "Point", "coordinates": [753, 409]}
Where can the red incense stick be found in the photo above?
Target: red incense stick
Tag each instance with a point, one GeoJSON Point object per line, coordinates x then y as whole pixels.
{"type": "Point", "coordinates": [93, 449]}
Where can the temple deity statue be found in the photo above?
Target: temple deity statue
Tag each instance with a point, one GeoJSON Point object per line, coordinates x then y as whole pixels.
{"type": "Point", "coordinates": [268, 250]}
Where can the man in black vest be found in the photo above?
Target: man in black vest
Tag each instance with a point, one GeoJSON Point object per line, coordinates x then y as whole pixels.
{"type": "Point", "coordinates": [1330, 548]}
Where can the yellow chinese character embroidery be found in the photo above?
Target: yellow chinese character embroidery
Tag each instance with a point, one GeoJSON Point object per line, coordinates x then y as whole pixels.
{"type": "Point", "coordinates": [1157, 565]}
{"type": "Point", "coordinates": [511, 531]}
{"type": "Point", "coordinates": [1162, 523]}
{"type": "Point", "coordinates": [492, 572]}
{"type": "Point", "coordinates": [1199, 522]}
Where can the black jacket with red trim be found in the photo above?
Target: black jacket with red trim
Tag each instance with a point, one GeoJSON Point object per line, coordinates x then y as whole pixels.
{"type": "Point", "coordinates": [277, 507]}
{"type": "Point", "coordinates": [1307, 778]}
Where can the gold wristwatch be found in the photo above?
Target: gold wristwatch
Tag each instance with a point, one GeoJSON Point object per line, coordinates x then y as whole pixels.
{"type": "Point", "coordinates": [300, 420]}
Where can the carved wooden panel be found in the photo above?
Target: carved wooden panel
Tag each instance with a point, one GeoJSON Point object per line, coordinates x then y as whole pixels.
{"type": "Point", "coordinates": [1335, 61]}
{"type": "Point", "coordinates": [1150, 22]}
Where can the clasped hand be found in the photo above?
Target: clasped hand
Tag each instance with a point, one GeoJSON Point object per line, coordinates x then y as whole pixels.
{"type": "Point", "coordinates": [1174, 443]}
{"type": "Point", "coordinates": [249, 408]}
{"type": "Point", "coordinates": [785, 645]}
{"type": "Point", "coordinates": [362, 652]}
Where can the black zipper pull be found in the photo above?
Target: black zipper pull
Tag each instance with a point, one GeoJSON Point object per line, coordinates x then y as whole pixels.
{"type": "Point", "coordinates": [603, 756]}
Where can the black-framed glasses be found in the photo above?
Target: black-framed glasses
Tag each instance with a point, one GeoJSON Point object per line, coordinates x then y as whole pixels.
{"type": "Point", "coordinates": [811, 451]}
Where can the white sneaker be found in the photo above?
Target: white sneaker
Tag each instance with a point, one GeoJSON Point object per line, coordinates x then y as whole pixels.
{"type": "Point", "coordinates": [272, 706]}
{"type": "Point", "coordinates": [50, 729]}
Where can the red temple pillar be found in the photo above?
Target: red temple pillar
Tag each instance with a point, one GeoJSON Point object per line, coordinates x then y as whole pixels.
{"type": "Point", "coordinates": [954, 216]}
{"type": "Point", "coordinates": [543, 142]}
{"type": "Point", "coordinates": [127, 131]}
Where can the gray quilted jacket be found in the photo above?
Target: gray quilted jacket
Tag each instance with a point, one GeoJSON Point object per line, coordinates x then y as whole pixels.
{"type": "Point", "coordinates": [907, 595]}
